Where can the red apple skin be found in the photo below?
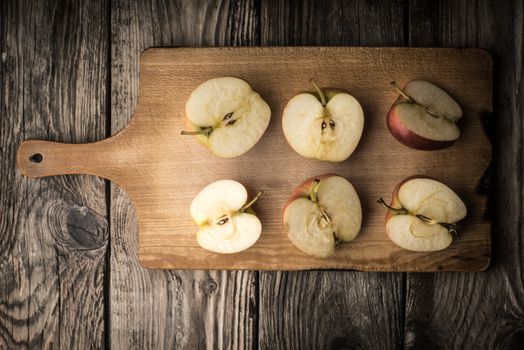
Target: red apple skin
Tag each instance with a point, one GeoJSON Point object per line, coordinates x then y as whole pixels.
{"type": "Point", "coordinates": [303, 190]}
{"type": "Point", "coordinates": [395, 202]}
{"type": "Point", "coordinates": [407, 137]}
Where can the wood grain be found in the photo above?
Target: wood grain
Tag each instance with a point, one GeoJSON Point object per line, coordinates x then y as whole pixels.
{"type": "Point", "coordinates": [172, 309]}
{"type": "Point", "coordinates": [347, 308]}
{"type": "Point", "coordinates": [153, 162]}
{"type": "Point", "coordinates": [53, 232]}
{"type": "Point", "coordinates": [479, 310]}
{"type": "Point", "coordinates": [291, 302]}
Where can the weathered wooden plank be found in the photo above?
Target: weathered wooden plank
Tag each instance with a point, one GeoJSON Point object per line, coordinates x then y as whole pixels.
{"type": "Point", "coordinates": [14, 279]}
{"type": "Point", "coordinates": [479, 310]}
{"type": "Point", "coordinates": [52, 231]}
{"type": "Point", "coordinates": [172, 309]}
{"type": "Point", "coordinates": [305, 23]}
{"type": "Point", "coordinates": [336, 309]}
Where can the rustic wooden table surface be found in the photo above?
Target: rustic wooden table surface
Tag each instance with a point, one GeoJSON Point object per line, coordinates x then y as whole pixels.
{"type": "Point", "coordinates": [69, 275]}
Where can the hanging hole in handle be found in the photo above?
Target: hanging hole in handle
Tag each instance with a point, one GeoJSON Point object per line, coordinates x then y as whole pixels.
{"type": "Point", "coordinates": [36, 158]}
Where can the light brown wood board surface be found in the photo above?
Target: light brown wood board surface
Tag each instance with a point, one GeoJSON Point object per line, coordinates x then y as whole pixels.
{"type": "Point", "coordinates": [162, 171]}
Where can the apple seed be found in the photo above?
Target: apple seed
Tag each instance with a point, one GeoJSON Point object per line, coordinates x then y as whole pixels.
{"type": "Point", "coordinates": [320, 93]}
{"type": "Point", "coordinates": [223, 221]}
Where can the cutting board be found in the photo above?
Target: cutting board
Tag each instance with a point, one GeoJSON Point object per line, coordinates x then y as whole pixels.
{"type": "Point", "coordinates": [162, 171]}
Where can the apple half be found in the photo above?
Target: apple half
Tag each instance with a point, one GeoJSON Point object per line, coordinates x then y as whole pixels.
{"type": "Point", "coordinates": [325, 126]}
{"type": "Point", "coordinates": [423, 214]}
{"type": "Point", "coordinates": [226, 222]}
{"type": "Point", "coordinates": [226, 116]}
{"type": "Point", "coordinates": [321, 213]}
{"type": "Point", "coordinates": [424, 116]}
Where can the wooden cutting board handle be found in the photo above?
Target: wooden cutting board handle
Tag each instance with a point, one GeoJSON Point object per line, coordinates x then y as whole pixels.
{"type": "Point", "coordinates": [36, 158]}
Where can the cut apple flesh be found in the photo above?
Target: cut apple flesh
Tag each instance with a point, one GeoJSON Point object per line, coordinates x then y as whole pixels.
{"type": "Point", "coordinates": [332, 212]}
{"type": "Point", "coordinates": [238, 233]}
{"type": "Point", "coordinates": [410, 233]}
{"type": "Point", "coordinates": [437, 101]}
{"type": "Point", "coordinates": [424, 210]}
{"type": "Point", "coordinates": [216, 200]}
{"type": "Point", "coordinates": [308, 229]}
{"type": "Point", "coordinates": [340, 201]}
{"type": "Point", "coordinates": [329, 132]}
{"type": "Point", "coordinates": [422, 123]}
{"type": "Point", "coordinates": [224, 227]}
{"type": "Point", "coordinates": [433, 199]}
{"type": "Point", "coordinates": [231, 116]}
{"type": "Point", "coordinates": [425, 116]}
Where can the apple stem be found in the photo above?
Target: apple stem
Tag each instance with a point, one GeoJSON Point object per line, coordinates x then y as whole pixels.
{"type": "Point", "coordinates": [246, 206]}
{"type": "Point", "coordinates": [398, 210]}
{"type": "Point", "coordinates": [320, 93]}
{"type": "Point", "coordinates": [452, 228]}
{"type": "Point", "coordinates": [202, 131]}
{"type": "Point", "coordinates": [314, 199]}
{"type": "Point", "coordinates": [314, 190]}
{"type": "Point", "coordinates": [395, 86]}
